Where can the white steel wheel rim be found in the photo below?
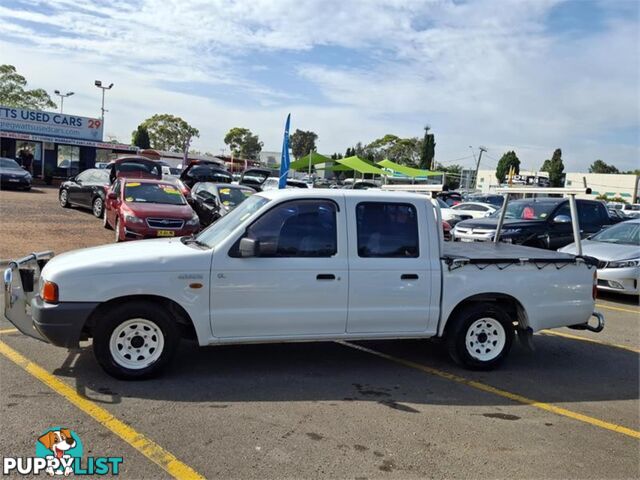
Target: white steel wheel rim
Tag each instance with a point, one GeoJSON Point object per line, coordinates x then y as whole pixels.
{"type": "Point", "coordinates": [136, 343]}
{"type": "Point", "coordinates": [97, 207]}
{"type": "Point", "coordinates": [485, 339]}
{"type": "Point", "coordinates": [63, 197]}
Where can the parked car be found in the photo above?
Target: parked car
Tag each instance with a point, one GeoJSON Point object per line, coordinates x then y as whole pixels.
{"type": "Point", "coordinates": [617, 215]}
{"type": "Point", "coordinates": [475, 209]}
{"type": "Point", "coordinates": [264, 272]}
{"type": "Point", "coordinates": [88, 189]}
{"type": "Point", "coordinates": [450, 198]}
{"type": "Point", "coordinates": [142, 208]}
{"type": "Point", "coordinates": [12, 175]}
{"type": "Point", "coordinates": [495, 200]}
{"type": "Point", "coordinates": [449, 214]}
{"type": "Point", "coordinates": [204, 171]}
{"type": "Point", "coordinates": [631, 209]}
{"type": "Point", "coordinates": [101, 164]}
{"type": "Point", "coordinates": [272, 183]}
{"type": "Point", "coordinates": [256, 177]}
{"type": "Point", "coordinates": [543, 222]}
{"type": "Point", "coordinates": [214, 200]}
{"type": "Point", "coordinates": [617, 249]}
{"type": "Point", "coordinates": [134, 167]}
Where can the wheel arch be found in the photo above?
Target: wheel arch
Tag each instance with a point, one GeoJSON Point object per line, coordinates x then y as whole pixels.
{"type": "Point", "coordinates": [180, 315]}
{"type": "Point", "coordinates": [508, 303]}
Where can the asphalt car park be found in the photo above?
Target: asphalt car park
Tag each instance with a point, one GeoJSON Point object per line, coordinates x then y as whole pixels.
{"type": "Point", "coordinates": [396, 409]}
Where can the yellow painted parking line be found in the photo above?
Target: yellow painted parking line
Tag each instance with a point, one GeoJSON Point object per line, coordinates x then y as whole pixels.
{"type": "Point", "coordinates": [590, 340]}
{"type": "Point", "coordinates": [501, 393]}
{"type": "Point", "coordinates": [618, 309]}
{"type": "Point", "coordinates": [144, 445]}
{"type": "Point", "coordinates": [8, 330]}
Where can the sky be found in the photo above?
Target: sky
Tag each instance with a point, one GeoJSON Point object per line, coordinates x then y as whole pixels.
{"type": "Point", "coordinates": [523, 75]}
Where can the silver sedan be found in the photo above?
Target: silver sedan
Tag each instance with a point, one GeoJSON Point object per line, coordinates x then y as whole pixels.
{"type": "Point", "coordinates": [617, 249]}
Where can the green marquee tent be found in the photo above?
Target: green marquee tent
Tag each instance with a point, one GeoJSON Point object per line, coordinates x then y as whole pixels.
{"type": "Point", "coordinates": [407, 171]}
{"type": "Point", "coordinates": [302, 163]}
{"type": "Point", "coordinates": [359, 165]}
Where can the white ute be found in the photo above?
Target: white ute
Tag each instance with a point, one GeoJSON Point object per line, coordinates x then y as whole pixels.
{"type": "Point", "coordinates": [300, 265]}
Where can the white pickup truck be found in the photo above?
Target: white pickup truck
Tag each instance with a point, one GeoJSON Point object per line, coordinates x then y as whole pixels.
{"type": "Point", "coordinates": [300, 265]}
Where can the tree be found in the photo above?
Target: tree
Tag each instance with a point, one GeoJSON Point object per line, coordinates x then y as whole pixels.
{"type": "Point", "coordinates": [243, 143]}
{"type": "Point", "coordinates": [302, 142]}
{"type": "Point", "coordinates": [508, 160]}
{"type": "Point", "coordinates": [601, 167]}
{"type": "Point", "coordinates": [428, 149]}
{"type": "Point", "coordinates": [555, 168]}
{"type": "Point", "coordinates": [169, 133]}
{"type": "Point", "coordinates": [453, 174]}
{"type": "Point", "coordinates": [140, 137]}
{"type": "Point", "coordinates": [13, 92]}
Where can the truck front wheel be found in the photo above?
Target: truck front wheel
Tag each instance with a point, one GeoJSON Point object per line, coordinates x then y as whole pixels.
{"type": "Point", "coordinates": [135, 340]}
{"type": "Point", "coordinates": [480, 336]}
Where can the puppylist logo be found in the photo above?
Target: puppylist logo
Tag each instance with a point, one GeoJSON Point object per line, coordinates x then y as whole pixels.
{"type": "Point", "coordinates": [59, 452]}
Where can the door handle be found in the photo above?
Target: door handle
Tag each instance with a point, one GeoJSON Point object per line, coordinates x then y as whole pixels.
{"type": "Point", "coordinates": [409, 276]}
{"type": "Point", "coordinates": [325, 276]}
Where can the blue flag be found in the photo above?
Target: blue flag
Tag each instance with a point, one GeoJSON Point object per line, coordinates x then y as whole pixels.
{"type": "Point", "coordinates": [284, 161]}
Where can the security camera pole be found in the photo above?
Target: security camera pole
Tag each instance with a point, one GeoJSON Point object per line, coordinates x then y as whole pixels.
{"type": "Point", "coordinates": [98, 84]}
{"type": "Point", "coordinates": [62, 97]}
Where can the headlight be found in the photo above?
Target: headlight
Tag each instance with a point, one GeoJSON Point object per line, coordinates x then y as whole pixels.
{"type": "Point", "coordinates": [132, 219]}
{"type": "Point", "coordinates": [511, 231]}
{"type": "Point", "coordinates": [195, 221]}
{"type": "Point", "coordinates": [632, 262]}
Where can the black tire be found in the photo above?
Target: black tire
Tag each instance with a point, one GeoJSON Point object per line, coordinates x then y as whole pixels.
{"type": "Point", "coordinates": [133, 312]}
{"type": "Point", "coordinates": [491, 344]}
{"type": "Point", "coordinates": [63, 198]}
{"type": "Point", "coordinates": [97, 207]}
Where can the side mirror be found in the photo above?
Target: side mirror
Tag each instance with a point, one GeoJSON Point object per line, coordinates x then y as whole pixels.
{"type": "Point", "coordinates": [112, 196]}
{"type": "Point", "coordinates": [562, 219]}
{"type": "Point", "coordinates": [249, 247]}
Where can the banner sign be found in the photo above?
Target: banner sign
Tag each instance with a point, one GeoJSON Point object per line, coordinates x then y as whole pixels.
{"type": "Point", "coordinates": [50, 124]}
{"type": "Point", "coordinates": [67, 141]}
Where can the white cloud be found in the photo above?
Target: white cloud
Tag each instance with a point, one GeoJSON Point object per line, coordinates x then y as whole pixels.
{"type": "Point", "coordinates": [486, 72]}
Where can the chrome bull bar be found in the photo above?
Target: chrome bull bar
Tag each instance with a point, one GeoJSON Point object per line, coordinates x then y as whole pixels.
{"type": "Point", "coordinates": [20, 284]}
{"type": "Point", "coordinates": [586, 326]}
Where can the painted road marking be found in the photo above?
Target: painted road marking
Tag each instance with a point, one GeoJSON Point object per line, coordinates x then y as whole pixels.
{"type": "Point", "coordinates": [618, 309]}
{"type": "Point", "coordinates": [144, 445]}
{"type": "Point", "coordinates": [502, 393]}
{"type": "Point", "coordinates": [590, 340]}
{"type": "Point", "coordinates": [8, 330]}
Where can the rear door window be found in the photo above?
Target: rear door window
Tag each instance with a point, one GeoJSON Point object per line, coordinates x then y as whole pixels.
{"type": "Point", "coordinates": [387, 230]}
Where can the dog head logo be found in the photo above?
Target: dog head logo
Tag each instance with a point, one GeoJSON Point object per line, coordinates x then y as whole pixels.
{"type": "Point", "coordinates": [61, 444]}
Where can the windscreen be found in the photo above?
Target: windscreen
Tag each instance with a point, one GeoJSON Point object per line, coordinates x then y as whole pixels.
{"type": "Point", "coordinates": [8, 163]}
{"type": "Point", "coordinates": [627, 233]}
{"type": "Point", "coordinates": [528, 210]}
{"type": "Point", "coordinates": [138, 192]}
{"type": "Point", "coordinates": [232, 197]}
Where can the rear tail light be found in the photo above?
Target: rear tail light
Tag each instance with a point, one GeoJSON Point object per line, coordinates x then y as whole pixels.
{"type": "Point", "coordinates": [49, 292]}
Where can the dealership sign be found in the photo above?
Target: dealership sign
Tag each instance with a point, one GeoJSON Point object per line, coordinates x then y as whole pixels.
{"type": "Point", "coordinates": [50, 124]}
{"type": "Point", "coordinates": [49, 141]}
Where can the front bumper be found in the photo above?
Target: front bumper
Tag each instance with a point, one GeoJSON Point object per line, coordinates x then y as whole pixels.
{"type": "Point", "coordinates": [139, 232]}
{"type": "Point", "coordinates": [621, 280]}
{"type": "Point", "coordinates": [59, 324]}
{"type": "Point", "coordinates": [21, 182]}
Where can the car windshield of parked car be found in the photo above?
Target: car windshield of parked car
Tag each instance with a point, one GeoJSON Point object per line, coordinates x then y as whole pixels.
{"type": "Point", "coordinates": [528, 210]}
{"type": "Point", "coordinates": [140, 192]}
{"type": "Point", "coordinates": [232, 197]}
{"type": "Point", "coordinates": [219, 230]}
{"type": "Point", "coordinates": [8, 163]}
{"type": "Point", "coordinates": [626, 233]}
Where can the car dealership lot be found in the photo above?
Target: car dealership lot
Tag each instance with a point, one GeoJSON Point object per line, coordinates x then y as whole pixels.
{"type": "Point", "coordinates": [398, 409]}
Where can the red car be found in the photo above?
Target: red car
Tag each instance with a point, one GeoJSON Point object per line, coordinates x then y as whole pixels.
{"type": "Point", "coordinates": [139, 208]}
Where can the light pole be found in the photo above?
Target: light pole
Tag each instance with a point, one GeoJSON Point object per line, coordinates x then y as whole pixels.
{"type": "Point", "coordinates": [482, 150]}
{"type": "Point", "coordinates": [98, 84]}
{"type": "Point", "coordinates": [62, 97]}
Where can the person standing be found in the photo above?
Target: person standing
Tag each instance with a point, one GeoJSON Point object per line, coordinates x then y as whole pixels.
{"type": "Point", "coordinates": [26, 158]}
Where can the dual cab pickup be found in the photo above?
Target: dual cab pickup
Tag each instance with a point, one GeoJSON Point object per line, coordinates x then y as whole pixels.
{"type": "Point", "coordinates": [300, 265]}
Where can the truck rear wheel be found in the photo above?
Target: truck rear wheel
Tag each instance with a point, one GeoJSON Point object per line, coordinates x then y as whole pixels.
{"type": "Point", "coordinates": [480, 337]}
{"type": "Point", "coordinates": [135, 340]}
